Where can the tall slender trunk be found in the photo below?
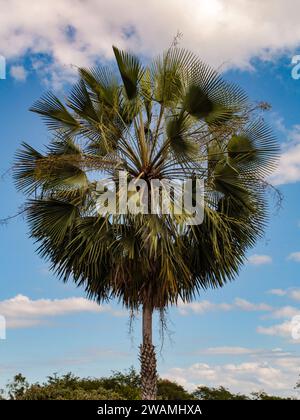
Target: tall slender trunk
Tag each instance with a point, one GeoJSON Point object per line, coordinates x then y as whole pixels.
{"type": "Point", "coordinates": [148, 357]}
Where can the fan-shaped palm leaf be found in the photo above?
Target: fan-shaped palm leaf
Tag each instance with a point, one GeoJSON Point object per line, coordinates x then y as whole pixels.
{"type": "Point", "coordinates": [175, 120]}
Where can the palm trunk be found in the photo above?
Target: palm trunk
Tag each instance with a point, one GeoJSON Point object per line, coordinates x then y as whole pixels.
{"type": "Point", "coordinates": [148, 357]}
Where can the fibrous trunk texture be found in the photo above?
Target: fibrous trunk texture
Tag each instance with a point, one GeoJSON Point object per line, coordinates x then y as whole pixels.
{"type": "Point", "coordinates": [148, 358]}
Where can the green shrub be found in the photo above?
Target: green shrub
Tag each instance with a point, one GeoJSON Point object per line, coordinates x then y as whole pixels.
{"type": "Point", "coordinates": [167, 390]}
{"type": "Point", "coordinates": [118, 386]}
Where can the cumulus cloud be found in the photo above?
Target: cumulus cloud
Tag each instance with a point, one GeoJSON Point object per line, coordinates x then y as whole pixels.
{"type": "Point", "coordinates": [202, 307]}
{"type": "Point", "coordinates": [257, 259]}
{"type": "Point", "coordinates": [205, 306]}
{"type": "Point", "coordinates": [294, 256]}
{"type": "Point", "coordinates": [18, 73]}
{"type": "Point", "coordinates": [292, 293]}
{"type": "Point", "coordinates": [276, 375]}
{"type": "Point", "coordinates": [76, 32]}
{"type": "Point", "coordinates": [249, 306]}
{"type": "Point", "coordinates": [295, 294]}
{"type": "Point", "coordinates": [225, 33]}
{"type": "Point", "coordinates": [285, 312]}
{"type": "Point", "coordinates": [22, 312]}
{"type": "Point", "coordinates": [282, 330]}
{"type": "Point", "coordinates": [290, 328]}
{"type": "Point", "coordinates": [288, 169]}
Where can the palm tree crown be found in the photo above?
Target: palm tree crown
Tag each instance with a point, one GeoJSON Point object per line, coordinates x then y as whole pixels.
{"type": "Point", "coordinates": [174, 119]}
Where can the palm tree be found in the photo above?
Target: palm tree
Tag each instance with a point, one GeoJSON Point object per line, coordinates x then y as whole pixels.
{"type": "Point", "coordinates": [174, 119]}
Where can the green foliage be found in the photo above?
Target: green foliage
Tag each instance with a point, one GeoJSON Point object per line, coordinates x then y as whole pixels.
{"type": "Point", "coordinates": [55, 114]}
{"type": "Point", "coordinates": [177, 129]}
{"type": "Point", "coordinates": [66, 387]}
{"type": "Point", "coordinates": [118, 386]}
{"type": "Point", "coordinates": [52, 392]}
{"type": "Point", "coordinates": [261, 395]}
{"type": "Point", "coordinates": [17, 387]}
{"type": "Point", "coordinates": [130, 70]}
{"type": "Point", "coordinates": [126, 385]}
{"type": "Point", "coordinates": [168, 390]}
{"type": "Point", "coordinates": [197, 103]}
{"type": "Point", "coordinates": [221, 393]}
{"type": "Point", "coordinates": [175, 119]}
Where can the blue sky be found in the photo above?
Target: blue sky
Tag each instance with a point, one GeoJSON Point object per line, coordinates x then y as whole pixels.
{"type": "Point", "coordinates": [239, 336]}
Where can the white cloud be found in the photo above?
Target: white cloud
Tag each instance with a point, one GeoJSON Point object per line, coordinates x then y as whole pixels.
{"type": "Point", "coordinates": [292, 293]}
{"type": "Point", "coordinates": [282, 330]}
{"type": "Point", "coordinates": [288, 169]}
{"type": "Point", "coordinates": [277, 292]}
{"type": "Point", "coordinates": [76, 32]}
{"type": "Point", "coordinates": [259, 259]}
{"type": "Point", "coordinates": [72, 33]}
{"type": "Point", "coordinates": [22, 312]}
{"type": "Point", "coordinates": [295, 294]}
{"type": "Point", "coordinates": [290, 328]}
{"type": "Point", "coordinates": [294, 256]}
{"type": "Point", "coordinates": [245, 305]}
{"type": "Point", "coordinates": [205, 306]}
{"type": "Point", "coordinates": [274, 375]}
{"type": "Point", "coordinates": [18, 73]}
{"type": "Point", "coordinates": [202, 307]}
{"type": "Point", "coordinates": [285, 312]}
{"type": "Point", "coordinates": [230, 351]}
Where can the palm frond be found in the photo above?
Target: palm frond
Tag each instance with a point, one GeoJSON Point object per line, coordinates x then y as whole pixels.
{"type": "Point", "coordinates": [131, 71]}
{"type": "Point", "coordinates": [24, 174]}
{"type": "Point", "coordinates": [103, 84]}
{"type": "Point", "coordinates": [173, 120]}
{"type": "Point", "coordinates": [169, 74]}
{"type": "Point", "coordinates": [55, 114]}
{"type": "Point", "coordinates": [177, 129]}
{"type": "Point", "coordinates": [81, 103]}
{"type": "Point", "coordinates": [209, 97]}
{"type": "Point", "coordinates": [254, 150]}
